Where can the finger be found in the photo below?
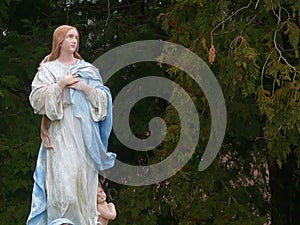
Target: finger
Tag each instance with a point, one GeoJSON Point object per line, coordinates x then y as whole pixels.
{"type": "Point", "coordinates": [75, 82]}
{"type": "Point", "coordinates": [75, 74]}
{"type": "Point", "coordinates": [47, 143]}
{"type": "Point", "coordinates": [70, 86]}
{"type": "Point", "coordinates": [49, 147]}
{"type": "Point", "coordinates": [74, 85]}
{"type": "Point", "coordinates": [78, 79]}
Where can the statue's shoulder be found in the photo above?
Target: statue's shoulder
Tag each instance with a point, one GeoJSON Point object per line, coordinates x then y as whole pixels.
{"type": "Point", "coordinates": [48, 65]}
{"type": "Point", "coordinates": [86, 64]}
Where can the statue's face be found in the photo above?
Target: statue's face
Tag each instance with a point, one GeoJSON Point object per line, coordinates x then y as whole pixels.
{"type": "Point", "coordinates": [69, 44]}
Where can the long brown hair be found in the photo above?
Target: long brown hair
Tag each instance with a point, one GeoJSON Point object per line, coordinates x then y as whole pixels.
{"type": "Point", "coordinates": [58, 37]}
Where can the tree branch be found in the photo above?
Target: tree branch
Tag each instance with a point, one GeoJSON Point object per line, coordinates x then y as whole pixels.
{"type": "Point", "coordinates": [11, 115]}
{"type": "Point", "coordinates": [108, 12]}
{"type": "Point", "coordinates": [256, 4]}
{"type": "Point", "coordinates": [281, 57]}
{"type": "Point", "coordinates": [263, 69]}
{"type": "Point", "coordinates": [222, 22]}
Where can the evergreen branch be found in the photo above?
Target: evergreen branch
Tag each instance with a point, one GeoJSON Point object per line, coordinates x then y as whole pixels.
{"type": "Point", "coordinates": [212, 50]}
{"type": "Point", "coordinates": [11, 115]}
{"type": "Point", "coordinates": [265, 138]}
{"type": "Point", "coordinates": [229, 193]}
{"type": "Point", "coordinates": [223, 21]}
{"type": "Point", "coordinates": [256, 4]}
{"type": "Point", "coordinates": [281, 57]}
{"type": "Point", "coordinates": [129, 5]}
{"type": "Point", "coordinates": [295, 74]}
{"type": "Point", "coordinates": [280, 53]}
{"type": "Point", "coordinates": [263, 69]}
{"type": "Point", "coordinates": [108, 12]}
{"type": "Point", "coordinates": [273, 86]}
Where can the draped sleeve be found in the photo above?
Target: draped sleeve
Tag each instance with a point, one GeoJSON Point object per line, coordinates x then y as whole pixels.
{"type": "Point", "coordinates": [98, 98]}
{"type": "Point", "coordinates": [98, 104]}
{"type": "Point", "coordinates": [46, 96]}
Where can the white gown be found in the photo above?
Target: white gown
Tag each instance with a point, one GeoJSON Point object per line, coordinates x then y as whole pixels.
{"type": "Point", "coordinates": [71, 177]}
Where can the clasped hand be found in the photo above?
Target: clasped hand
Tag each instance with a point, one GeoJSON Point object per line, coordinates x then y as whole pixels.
{"type": "Point", "coordinates": [73, 80]}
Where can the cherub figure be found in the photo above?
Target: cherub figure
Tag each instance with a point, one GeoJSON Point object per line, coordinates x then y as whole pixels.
{"type": "Point", "coordinates": [107, 211]}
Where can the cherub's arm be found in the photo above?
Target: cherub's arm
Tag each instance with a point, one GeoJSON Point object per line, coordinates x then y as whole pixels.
{"type": "Point", "coordinates": [107, 211]}
{"type": "Point", "coordinates": [45, 124]}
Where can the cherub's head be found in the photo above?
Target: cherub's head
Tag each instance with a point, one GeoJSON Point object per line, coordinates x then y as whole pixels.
{"type": "Point", "coordinates": [101, 196]}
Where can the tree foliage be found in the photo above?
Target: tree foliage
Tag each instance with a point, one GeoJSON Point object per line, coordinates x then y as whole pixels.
{"type": "Point", "coordinates": [254, 56]}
